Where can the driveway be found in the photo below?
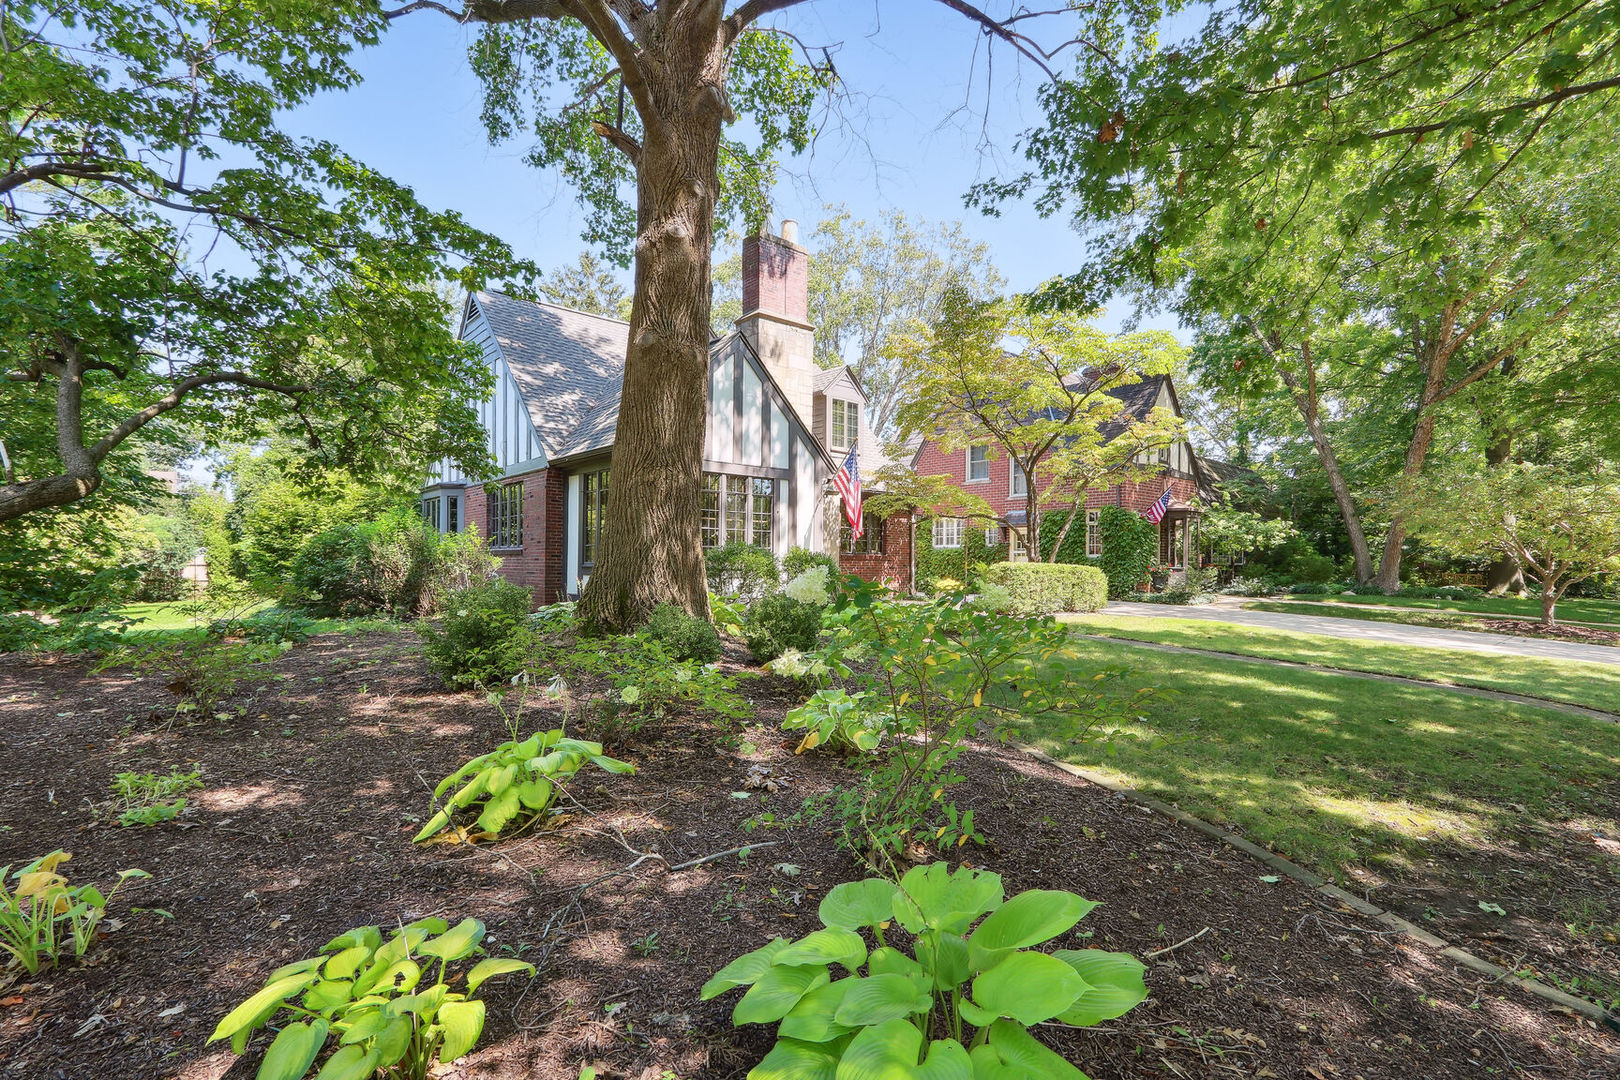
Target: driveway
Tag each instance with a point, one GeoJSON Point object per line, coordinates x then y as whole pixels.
{"type": "Point", "coordinates": [1360, 630]}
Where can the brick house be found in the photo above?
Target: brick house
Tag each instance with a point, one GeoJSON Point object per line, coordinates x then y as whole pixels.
{"type": "Point", "coordinates": [985, 470]}
{"type": "Point", "coordinates": [776, 424]}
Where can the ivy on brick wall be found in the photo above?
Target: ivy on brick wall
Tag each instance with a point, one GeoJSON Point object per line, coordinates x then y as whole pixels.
{"type": "Point", "coordinates": [1130, 544]}
{"type": "Point", "coordinates": [1074, 545]}
{"type": "Point", "coordinates": [935, 563]}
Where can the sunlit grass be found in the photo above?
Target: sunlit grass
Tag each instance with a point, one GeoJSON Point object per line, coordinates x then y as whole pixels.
{"type": "Point", "coordinates": [1339, 772]}
{"type": "Point", "coordinates": [1596, 686]}
{"type": "Point", "coordinates": [1591, 611]}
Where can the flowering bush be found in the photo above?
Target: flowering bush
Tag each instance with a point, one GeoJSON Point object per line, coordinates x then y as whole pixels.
{"type": "Point", "coordinates": [810, 587]}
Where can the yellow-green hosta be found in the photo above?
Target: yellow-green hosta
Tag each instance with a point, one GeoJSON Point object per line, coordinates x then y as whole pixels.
{"type": "Point", "coordinates": [518, 781]}
{"type": "Point", "coordinates": [369, 994]}
{"type": "Point", "coordinates": [981, 984]}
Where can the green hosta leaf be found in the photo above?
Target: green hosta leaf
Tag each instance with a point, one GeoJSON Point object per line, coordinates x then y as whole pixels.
{"type": "Point", "coordinates": [456, 943]}
{"type": "Point", "coordinates": [974, 1015]}
{"type": "Point", "coordinates": [434, 824]}
{"type": "Point", "coordinates": [1114, 985]}
{"type": "Point", "coordinates": [946, 955]}
{"type": "Point", "coordinates": [1012, 1053]}
{"type": "Point", "coordinates": [466, 770]}
{"type": "Point", "coordinates": [881, 998]}
{"type": "Point", "coordinates": [889, 1051]}
{"type": "Point", "coordinates": [369, 1023]}
{"type": "Point", "coordinates": [891, 961]}
{"type": "Point", "coordinates": [829, 946]}
{"type": "Point", "coordinates": [400, 977]}
{"type": "Point", "coordinates": [1029, 987]}
{"type": "Point", "coordinates": [328, 994]}
{"type": "Point", "coordinates": [471, 790]}
{"type": "Point", "coordinates": [499, 810]}
{"type": "Point", "coordinates": [1029, 919]}
{"type": "Point", "coordinates": [488, 969]}
{"type": "Point", "coordinates": [346, 963]}
{"type": "Point", "coordinates": [260, 1004]}
{"type": "Point", "coordinates": [776, 992]}
{"type": "Point", "coordinates": [406, 939]}
{"type": "Point", "coordinates": [352, 1062]}
{"type": "Point", "coordinates": [535, 794]}
{"type": "Point", "coordinates": [298, 968]}
{"type": "Point", "coordinates": [393, 1041]}
{"type": "Point", "coordinates": [744, 970]}
{"type": "Point", "coordinates": [613, 765]}
{"type": "Point", "coordinates": [501, 778]}
{"type": "Point", "coordinates": [792, 1060]}
{"type": "Point", "coordinates": [293, 1052]}
{"type": "Point", "coordinates": [813, 1018]}
{"type": "Point", "coordinates": [855, 904]}
{"type": "Point", "coordinates": [526, 749]}
{"type": "Point", "coordinates": [931, 896]}
{"type": "Point", "coordinates": [463, 1022]}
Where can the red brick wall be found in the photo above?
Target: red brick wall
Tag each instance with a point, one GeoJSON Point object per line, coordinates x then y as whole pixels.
{"type": "Point", "coordinates": [538, 564]}
{"type": "Point", "coordinates": [893, 565]}
{"type": "Point", "coordinates": [775, 277]}
{"type": "Point", "coordinates": [1135, 495]}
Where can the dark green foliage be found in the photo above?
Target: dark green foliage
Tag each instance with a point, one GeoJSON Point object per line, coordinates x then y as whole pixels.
{"type": "Point", "coordinates": [741, 570]}
{"type": "Point", "coordinates": [1074, 545]}
{"type": "Point", "coordinates": [953, 563]}
{"type": "Point", "coordinates": [799, 559]}
{"type": "Point", "coordinates": [1315, 588]}
{"type": "Point", "coordinates": [1130, 543]}
{"type": "Point", "coordinates": [1308, 566]}
{"type": "Point", "coordinates": [272, 625]}
{"type": "Point", "coordinates": [486, 636]}
{"type": "Point", "coordinates": [19, 632]}
{"type": "Point", "coordinates": [1042, 588]}
{"type": "Point", "coordinates": [779, 623]}
{"type": "Point", "coordinates": [398, 565]}
{"type": "Point", "coordinates": [686, 637]}
{"type": "Point", "coordinates": [1368, 589]}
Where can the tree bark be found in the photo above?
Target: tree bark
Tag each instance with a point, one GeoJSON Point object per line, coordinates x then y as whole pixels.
{"type": "Point", "coordinates": [1434, 355]}
{"type": "Point", "coordinates": [651, 547]}
{"type": "Point", "coordinates": [1549, 602]}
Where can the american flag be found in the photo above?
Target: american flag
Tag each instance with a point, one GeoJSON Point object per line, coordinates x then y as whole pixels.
{"type": "Point", "coordinates": [1160, 506]}
{"type": "Point", "coordinates": [848, 483]}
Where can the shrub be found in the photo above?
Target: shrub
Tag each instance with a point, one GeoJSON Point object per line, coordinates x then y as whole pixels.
{"type": "Point", "coordinates": [1310, 566]}
{"type": "Point", "coordinates": [741, 570]}
{"type": "Point", "coordinates": [1247, 586]}
{"type": "Point", "coordinates": [778, 623]}
{"type": "Point", "coordinates": [1042, 588]}
{"type": "Point", "coordinates": [963, 976]}
{"type": "Point", "coordinates": [1365, 589]}
{"type": "Point", "coordinates": [685, 637]}
{"type": "Point", "coordinates": [375, 998]}
{"type": "Point", "coordinates": [19, 632]}
{"type": "Point", "coordinates": [1315, 589]}
{"type": "Point", "coordinates": [43, 916]}
{"type": "Point", "coordinates": [271, 625]}
{"type": "Point", "coordinates": [799, 559]}
{"type": "Point", "coordinates": [485, 635]}
{"type": "Point", "coordinates": [147, 798]}
{"type": "Point", "coordinates": [398, 565]}
{"type": "Point", "coordinates": [518, 781]}
{"type": "Point", "coordinates": [201, 672]}
{"type": "Point", "coordinates": [1130, 544]}
{"type": "Point", "coordinates": [1175, 594]}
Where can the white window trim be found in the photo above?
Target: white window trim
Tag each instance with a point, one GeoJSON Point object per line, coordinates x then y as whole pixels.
{"type": "Point", "coordinates": [967, 469]}
{"type": "Point", "coordinates": [940, 545]}
{"type": "Point", "coordinates": [1093, 529]}
{"type": "Point", "coordinates": [848, 407]}
{"type": "Point", "coordinates": [1013, 473]}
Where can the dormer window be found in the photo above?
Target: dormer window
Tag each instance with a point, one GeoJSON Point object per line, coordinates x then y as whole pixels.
{"type": "Point", "coordinates": [844, 425]}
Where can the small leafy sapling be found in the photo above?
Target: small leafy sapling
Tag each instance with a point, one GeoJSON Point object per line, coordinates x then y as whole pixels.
{"type": "Point", "coordinates": [959, 1004]}
{"type": "Point", "coordinates": [148, 798]}
{"type": "Point", "coordinates": [42, 917]}
{"type": "Point", "coordinates": [516, 785]}
{"type": "Point", "coordinates": [371, 996]}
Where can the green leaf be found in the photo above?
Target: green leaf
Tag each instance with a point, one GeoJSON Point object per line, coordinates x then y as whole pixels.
{"type": "Point", "coordinates": [889, 1051]}
{"type": "Point", "coordinates": [880, 998]}
{"type": "Point", "coordinates": [293, 1051]}
{"type": "Point", "coordinates": [500, 778]}
{"type": "Point", "coordinates": [456, 943]}
{"type": "Point", "coordinates": [488, 969]}
{"type": "Point", "coordinates": [613, 765]}
{"type": "Point", "coordinates": [370, 1022]}
{"type": "Point", "coordinates": [400, 977]}
{"type": "Point", "coordinates": [813, 1018]}
{"type": "Point", "coordinates": [776, 992]}
{"type": "Point", "coordinates": [792, 1060]}
{"type": "Point", "coordinates": [262, 1003]}
{"type": "Point", "coordinates": [535, 794]}
{"type": "Point", "coordinates": [856, 904]}
{"type": "Point", "coordinates": [352, 1062]}
{"type": "Point", "coordinates": [343, 965]}
{"type": "Point", "coordinates": [393, 1041]}
{"type": "Point", "coordinates": [499, 810]}
{"type": "Point", "coordinates": [743, 971]}
{"type": "Point", "coordinates": [1029, 919]}
{"type": "Point", "coordinates": [328, 994]}
{"type": "Point", "coordinates": [891, 961]}
{"type": "Point", "coordinates": [1028, 986]}
{"type": "Point", "coordinates": [1114, 985]}
{"type": "Point", "coordinates": [1009, 1044]}
{"type": "Point", "coordinates": [463, 1022]}
{"type": "Point", "coordinates": [946, 956]}
{"type": "Point", "coordinates": [931, 896]}
{"type": "Point", "coordinates": [434, 824]}
{"type": "Point", "coordinates": [299, 967]}
{"type": "Point", "coordinates": [829, 946]}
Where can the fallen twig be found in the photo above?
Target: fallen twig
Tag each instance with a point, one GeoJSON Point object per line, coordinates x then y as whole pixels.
{"type": "Point", "coordinates": [722, 854]}
{"type": "Point", "coordinates": [1179, 944]}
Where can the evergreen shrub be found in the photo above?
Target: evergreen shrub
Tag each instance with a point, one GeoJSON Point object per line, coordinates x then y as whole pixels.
{"type": "Point", "coordinates": [486, 635]}
{"type": "Point", "coordinates": [685, 637]}
{"type": "Point", "coordinates": [779, 623]}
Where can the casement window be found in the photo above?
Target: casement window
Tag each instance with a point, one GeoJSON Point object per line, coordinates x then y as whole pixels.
{"type": "Point", "coordinates": [1020, 484]}
{"type": "Point", "coordinates": [1094, 533]}
{"type": "Point", "coordinates": [871, 539]}
{"type": "Point", "coordinates": [1164, 455]}
{"type": "Point", "coordinates": [430, 512]}
{"type": "Point", "coordinates": [947, 532]}
{"type": "Point", "coordinates": [737, 509]}
{"type": "Point", "coordinates": [978, 463]}
{"type": "Point", "coordinates": [844, 424]}
{"type": "Point", "coordinates": [506, 516]}
{"type": "Point", "coordinates": [593, 490]}
{"type": "Point", "coordinates": [452, 520]}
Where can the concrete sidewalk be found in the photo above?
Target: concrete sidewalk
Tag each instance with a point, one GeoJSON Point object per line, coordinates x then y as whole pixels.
{"type": "Point", "coordinates": [1364, 630]}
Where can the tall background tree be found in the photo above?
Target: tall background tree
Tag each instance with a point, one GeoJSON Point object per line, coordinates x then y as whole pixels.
{"type": "Point", "coordinates": [165, 246]}
{"type": "Point", "coordinates": [589, 286]}
{"type": "Point", "coordinates": [664, 116]}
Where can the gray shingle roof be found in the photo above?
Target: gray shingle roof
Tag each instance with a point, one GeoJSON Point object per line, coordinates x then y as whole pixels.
{"type": "Point", "coordinates": [569, 366]}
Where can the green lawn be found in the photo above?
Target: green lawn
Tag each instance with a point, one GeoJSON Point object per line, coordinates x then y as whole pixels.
{"type": "Point", "coordinates": [169, 618]}
{"type": "Point", "coordinates": [1445, 620]}
{"type": "Point", "coordinates": [1335, 771]}
{"type": "Point", "coordinates": [1597, 612]}
{"type": "Point", "coordinates": [1596, 686]}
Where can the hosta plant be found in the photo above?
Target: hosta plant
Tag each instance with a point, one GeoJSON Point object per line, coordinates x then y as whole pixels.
{"type": "Point", "coordinates": [835, 719]}
{"type": "Point", "coordinates": [958, 1006]}
{"type": "Point", "coordinates": [515, 785]}
{"type": "Point", "coordinates": [42, 916]}
{"type": "Point", "coordinates": [375, 999]}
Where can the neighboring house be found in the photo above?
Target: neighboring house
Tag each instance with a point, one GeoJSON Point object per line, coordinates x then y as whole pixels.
{"type": "Point", "coordinates": [776, 426]}
{"type": "Point", "coordinates": [986, 470]}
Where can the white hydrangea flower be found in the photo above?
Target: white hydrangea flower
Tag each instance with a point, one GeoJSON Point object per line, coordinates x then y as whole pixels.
{"type": "Point", "coordinates": [810, 586]}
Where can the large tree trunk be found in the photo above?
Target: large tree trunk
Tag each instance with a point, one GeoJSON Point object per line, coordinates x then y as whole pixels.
{"type": "Point", "coordinates": [651, 549]}
{"type": "Point", "coordinates": [1549, 602]}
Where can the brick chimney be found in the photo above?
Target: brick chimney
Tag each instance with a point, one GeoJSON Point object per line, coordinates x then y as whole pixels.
{"type": "Point", "coordinates": [776, 312]}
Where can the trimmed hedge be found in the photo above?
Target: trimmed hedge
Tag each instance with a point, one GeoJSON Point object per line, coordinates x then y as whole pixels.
{"type": "Point", "coordinates": [1130, 544]}
{"type": "Point", "coordinates": [1042, 588]}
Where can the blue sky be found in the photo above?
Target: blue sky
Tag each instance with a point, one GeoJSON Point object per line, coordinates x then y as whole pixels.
{"type": "Point", "coordinates": [916, 137]}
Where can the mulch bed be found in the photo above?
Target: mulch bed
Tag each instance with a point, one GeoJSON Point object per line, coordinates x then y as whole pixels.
{"type": "Point", "coordinates": [1586, 635]}
{"type": "Point", "coordinates": [303, 832]}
